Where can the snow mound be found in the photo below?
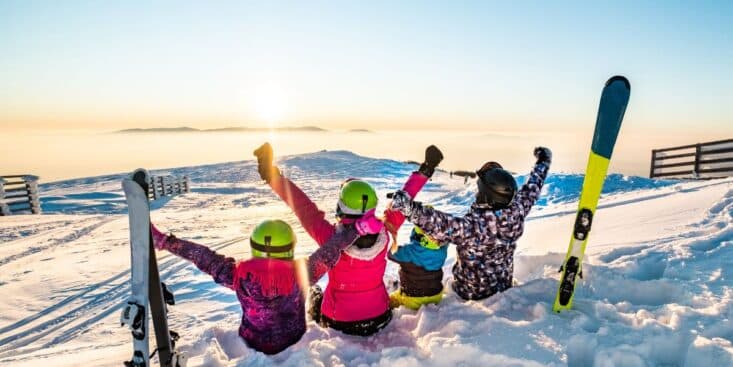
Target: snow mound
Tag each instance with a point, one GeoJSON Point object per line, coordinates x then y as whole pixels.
{"type": "Point", "coordinates": [657, 288]}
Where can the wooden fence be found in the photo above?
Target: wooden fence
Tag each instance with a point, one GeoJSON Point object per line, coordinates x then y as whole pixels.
{"type": "Point", "coordinates": [702, 160]}
{"type": "Point", "coordinates": [465, 174]}
{"type": "Point", "coordinates": [168, 186]}
{"type": "Point", "coordinates": [19, 194]}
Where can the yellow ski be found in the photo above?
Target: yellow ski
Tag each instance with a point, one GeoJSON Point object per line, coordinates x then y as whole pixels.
{"type": "Point", "coordinates": [614, 99]}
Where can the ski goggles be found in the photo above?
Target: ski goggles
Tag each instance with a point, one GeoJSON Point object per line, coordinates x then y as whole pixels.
{"type": "Point", "coordinates": [268, 248]}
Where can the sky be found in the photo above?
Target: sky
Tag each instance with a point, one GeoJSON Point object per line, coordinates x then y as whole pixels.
{"type": "Point", "coordinates": [483, 65]}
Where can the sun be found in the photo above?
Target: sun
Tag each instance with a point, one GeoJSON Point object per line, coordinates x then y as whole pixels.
{"type": "Point", "coordinates": [270, 104]}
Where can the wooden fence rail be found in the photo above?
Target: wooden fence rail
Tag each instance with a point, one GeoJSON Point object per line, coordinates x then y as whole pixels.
{"type": "Point", "coordinates": [465, 174]}
{"type": "Point", "coordinates": [168, 186]}
{"type": "Point", "coordinates": [19, 194]}
{"type": "Point", "coordinates": [702, 160]}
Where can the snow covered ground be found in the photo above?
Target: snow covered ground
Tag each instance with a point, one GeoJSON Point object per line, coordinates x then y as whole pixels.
{"type": "Point", "coordinates": [658, 288]}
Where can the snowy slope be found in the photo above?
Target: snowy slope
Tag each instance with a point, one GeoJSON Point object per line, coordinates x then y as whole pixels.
{"type": "Point", "coordinates": [657, 290]}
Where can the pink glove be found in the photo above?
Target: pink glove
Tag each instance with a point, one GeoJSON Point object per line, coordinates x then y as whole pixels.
{"type": "Point", "coordinates": [368, 224]}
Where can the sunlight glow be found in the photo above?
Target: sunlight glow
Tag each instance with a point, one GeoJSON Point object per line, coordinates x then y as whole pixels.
{"type": "Point", "coordinates": [270, 104]}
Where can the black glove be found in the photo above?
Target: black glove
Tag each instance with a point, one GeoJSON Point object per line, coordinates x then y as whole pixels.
{"type": "Point", "coordinates": [264, 163]}
{"type": "Point", "coordinates": [433, 156]}
{"type": "Point", "coordinates": [543, 154]}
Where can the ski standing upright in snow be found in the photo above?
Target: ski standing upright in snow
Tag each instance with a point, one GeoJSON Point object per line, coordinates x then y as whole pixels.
{"type": "Point", "coordinates": [614, 99]}
{"type": "Point", "coordinates": [147, 290]}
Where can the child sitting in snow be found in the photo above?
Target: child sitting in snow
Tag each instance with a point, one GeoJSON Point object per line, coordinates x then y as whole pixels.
{"type": "Point", "coordinates": [421, 271]}
{"type": "Point", "coordinates": [268, 286]}
{"type": "Point", "coordinates": [355, 300]}
{"type": "Point", "coordinates": [487, 235]}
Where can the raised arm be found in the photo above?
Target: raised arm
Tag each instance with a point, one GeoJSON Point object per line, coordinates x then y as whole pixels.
{"type": "Point", "coordinates": [326, 256]}
{"type": "Point", "coordinates": [311, 218]}
{"type": "Point", "coordinates": [443, 226]}
{"type": "Point", "coordinates": [220, 267]}
{"type": "Point", "coordinates": [393, 219]}
{"type": "Point", "coordinates": [529, 192]}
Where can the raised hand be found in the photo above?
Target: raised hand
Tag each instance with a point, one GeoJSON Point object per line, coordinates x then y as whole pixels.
{"type": "Point", "coordinates": [543, 154]}
{"type": "Point", "coordinates": [264, 162]}
{"type": "Point", "coordinates": [433, 157]}
{"type": "Point", "coordinates": [401, 201]}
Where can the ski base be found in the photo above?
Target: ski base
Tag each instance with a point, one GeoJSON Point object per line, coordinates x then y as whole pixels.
{"type": "Point", "coordinates": [149, 294]}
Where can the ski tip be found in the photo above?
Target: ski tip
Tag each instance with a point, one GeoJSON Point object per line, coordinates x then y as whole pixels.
{"type": "Point", "coordinates": [140, 173]}
{"type": "Point", "coordinates": [142, 177]}
{"type": "Point", "coordinates": [619, 78]}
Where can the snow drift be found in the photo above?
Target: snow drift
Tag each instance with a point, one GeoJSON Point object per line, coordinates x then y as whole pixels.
{"type": "Point", "coordinates": [658, 288]}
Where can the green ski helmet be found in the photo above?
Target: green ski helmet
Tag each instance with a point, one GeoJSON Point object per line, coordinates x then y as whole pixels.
{"type": "Point", "coordinates": [424, 240]}
{"type": "Point", "coordinates": [273, 238]}
{"type": "Point", "coordinates": [356, 198]}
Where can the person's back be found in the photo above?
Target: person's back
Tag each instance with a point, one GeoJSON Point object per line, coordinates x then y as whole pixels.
{"type": "Point", "coordinates": [273, 306]}
{"type": "Point", "coordinates": [485, 263]}
{"type": "Point", "coordinates": [356, 288]}
{"type": "Point", "coordinates": [267, 286]}
{"type": "Point", "coordinates": [421, 271]}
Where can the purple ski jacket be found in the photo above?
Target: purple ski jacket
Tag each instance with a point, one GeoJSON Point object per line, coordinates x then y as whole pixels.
{"type": "Point", "coordinates": [273, 304]}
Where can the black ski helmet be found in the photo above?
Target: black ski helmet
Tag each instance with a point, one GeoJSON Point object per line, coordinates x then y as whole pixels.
{"type": "Point", "coordinates": [496, 186]}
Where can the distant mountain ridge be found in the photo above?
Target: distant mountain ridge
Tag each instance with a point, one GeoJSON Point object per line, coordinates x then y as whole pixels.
{"type": "Point", "coordinates": [186, 129]}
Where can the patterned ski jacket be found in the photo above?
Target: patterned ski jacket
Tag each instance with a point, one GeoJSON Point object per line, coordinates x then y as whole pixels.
{"type": "Point", "coordinates": [485, 239]}
{"type": "Point", "coordinates": [355, 290]}
{"type": "Point", "coordinates": [273, 304]}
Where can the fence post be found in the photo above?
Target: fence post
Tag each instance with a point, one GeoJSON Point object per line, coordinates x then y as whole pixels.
{"type": "Point", "coordinates": [169, 185]}
{"type": "Point", "coordinates": [4, 209]}
{"type": "Point", "coordinates": [651, 167]}
{"type": "Point", "coordinates": [31, 185]}
{"type": "Point", "coordinates": [698, 151]}
{"type": "Point", "coordinates": [156, 194]}
{"type": "Point", "coordinates": [166, 191]}
{"type": "Point", "coordinates": [151, 187]}
{"type": "Point", "coordinates": [161, 188]}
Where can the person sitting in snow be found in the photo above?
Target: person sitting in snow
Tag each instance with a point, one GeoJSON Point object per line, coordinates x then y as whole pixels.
{"type": "Point", "coordinates": [487, 235]}
{"type": "Point", "coordinates": [421, 271]}
{"type": "Point", "coordinates": [355, 300]}
{"type": "Point", "coordinates": [267, 285]}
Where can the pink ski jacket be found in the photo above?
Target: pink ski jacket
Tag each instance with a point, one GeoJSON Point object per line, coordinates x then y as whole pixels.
{"type": "Point", "coordinates": [355, 290]}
